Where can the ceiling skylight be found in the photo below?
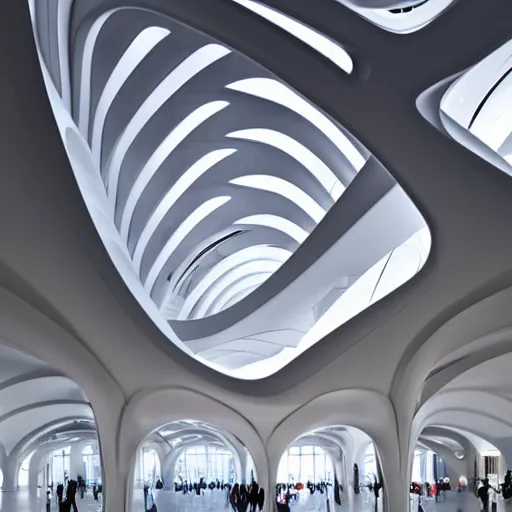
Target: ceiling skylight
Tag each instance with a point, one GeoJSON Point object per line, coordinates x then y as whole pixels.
{"type": "Point", "coordinates": [202, 206]}
{"type": "Point", "coordinates": [403, 20]}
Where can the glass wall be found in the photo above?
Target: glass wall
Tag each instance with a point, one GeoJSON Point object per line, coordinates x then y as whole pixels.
{"type": "Point", "coordinates": [417, 465]}
{"type": "Point", "coordinates": [92, 464]}
{"type": "Point", "coordinates": [60, 465]}
{"type": "Point", "coordinates": [305, 463]}
{"type": "Point", "coordinates": [150, 466]}
{"type": "Point", "coordinates": [209, 462]}
{"type": "Point", "coordinates": [370, 462]}
{"type": "Point", "coordinates": [23, 472]}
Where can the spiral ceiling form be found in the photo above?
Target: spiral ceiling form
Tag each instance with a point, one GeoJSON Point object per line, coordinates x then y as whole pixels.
{"type": "Point", "coordinates": [234, 204]}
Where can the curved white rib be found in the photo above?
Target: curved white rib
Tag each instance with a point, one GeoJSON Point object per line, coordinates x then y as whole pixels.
{"type": "Point", "coordinates": [240, 296]}
{"type": "Point", "coordinates": [493, 124]}
{"type": "Point", "coordinates": [132, 57]}
{"type": "Point", "coordinates": [179, 235]}
{"type": "Point", "coordinates": [319, 42]}
{"type": "Point", "coordinates": [231, 277]}
{"type": "Point", "coordinates": [249, 281]}
{"type": "Point", "coordinates": [296, 150]}
{"type": "Point", "coordinates": [176, 79]}
{"type": "Point", "coordinates": [175, 192]}
{"type": "Point", "coordinates": [166, 147]}
{"type": "Point", "coordinates": [255, 252]}
{"type": "Point", "coordinates": [271, 90]}
{"type": "Point", "coordinates": [285, 189]}
{"type": "Point", "coordinates": [275, 222]}
{"type": "Point", "coordinates": [63, 13]}
{"type": "Point", "coordinates": [85, 79]}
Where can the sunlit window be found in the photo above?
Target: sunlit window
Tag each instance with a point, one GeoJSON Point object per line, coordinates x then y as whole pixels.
{"type": "Point", "coordinates": [418, 463]}
{"type": "Point", "coordinates": [370, 462]}
{"type": "Point", "coordinates": [209, 462]}
{"type": "Point", "coordinates": [23, 474]}
{"type": "Point", "coordinates": [60, 464]}
{"type": "Point", "coordinates": [403, 21]}
{"type": "Point", "coordinates": [92, 465]}
{"type": "Point", "coordinates": [305, 464]}
{"type": "Point", "coordinates": [148, 469]}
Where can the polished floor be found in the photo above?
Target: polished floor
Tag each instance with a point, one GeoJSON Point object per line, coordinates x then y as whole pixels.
{"type": "Point", "coordinates": [20, 502]}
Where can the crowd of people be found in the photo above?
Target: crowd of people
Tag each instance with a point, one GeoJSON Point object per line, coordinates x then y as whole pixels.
{"type": "Point", "coordinates": [288, 494]}
{"type": "Point", "coordinates": [66, 494]}
{"type": "Point", "coordinates": [482, 488]}
{"type": "Point", "coordinates": [239, 497]}
{"type": "Point", "coordinates": [431, 490]}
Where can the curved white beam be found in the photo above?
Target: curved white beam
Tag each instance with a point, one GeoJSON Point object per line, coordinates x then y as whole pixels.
{"type": "Point", "coordinates": [272, 90]}
{"type": "Point", "coordinates": [294, 149]}
{"type": "Point", "coordinates": [242, 284]}
{"type": "Point", "coordinates": [186, 180]}
{"type": "Point", "coordinates": [63, 13]}
{"type": "Point", "coordinates": [86, 71]}
{"type": "Point", "coordinates": [179, 235]}
{"type": "Point", "coordinates": [240, 296]}
{"type": "Point", "coordinates": [176, 79]}
{"type": "Point", "coordinates": [164, 150]}
{"type": "Point", "coordinates": [139, 48]}
{"type": "Point", "coordinates": [255, 252]}
{"type": "Point", "coordinates": [275, 222]}
{"type": "Point", "coordinates": [285, 189]}
{"type": "Point", "coordinates": [231, 277]}
{"type": "Point", "coordinates": [319, 42]}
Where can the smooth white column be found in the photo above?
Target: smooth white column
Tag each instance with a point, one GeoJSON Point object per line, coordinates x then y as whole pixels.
{"type": "Point", "coordinates": [10, 472]}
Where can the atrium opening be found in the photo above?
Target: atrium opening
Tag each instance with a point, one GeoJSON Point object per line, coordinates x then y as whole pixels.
{"type": "Point", "coordinates": [255, 255]}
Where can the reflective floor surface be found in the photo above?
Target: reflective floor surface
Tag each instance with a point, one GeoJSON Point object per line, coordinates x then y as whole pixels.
{"type": "Point", "coordinates": [20, 502]}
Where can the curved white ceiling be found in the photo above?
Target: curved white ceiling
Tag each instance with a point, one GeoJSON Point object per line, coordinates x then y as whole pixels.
{"type": "Point", "coordinates": [212, 184]}
{"type": "Point", "coordinates": [36, 401]}
{"type": "Point", "coordinates": [477, 107]}
{"type": "Point", "coordinates": [399, 17]}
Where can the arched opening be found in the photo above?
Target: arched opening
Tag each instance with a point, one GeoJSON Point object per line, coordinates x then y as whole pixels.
{"type": "Point", "coordinates": [46, 422]}
{"type": "Point", "coordinates": [189, 464]}
{"type": "Point", "coordinates": [324, 468]}
{"type": "Point", "coordinates": [448, 462]}
{"type": "Point", "coordinates": [464, 430]}
{"type": "Point", "coordinates": [92, 464]}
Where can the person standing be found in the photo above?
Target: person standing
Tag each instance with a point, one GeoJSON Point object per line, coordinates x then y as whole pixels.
{"type": "Point", "coordinates": [483, 494]}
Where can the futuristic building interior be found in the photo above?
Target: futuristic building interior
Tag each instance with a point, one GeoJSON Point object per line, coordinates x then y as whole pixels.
{"type": "Point", "coordinates": [255, 255]}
